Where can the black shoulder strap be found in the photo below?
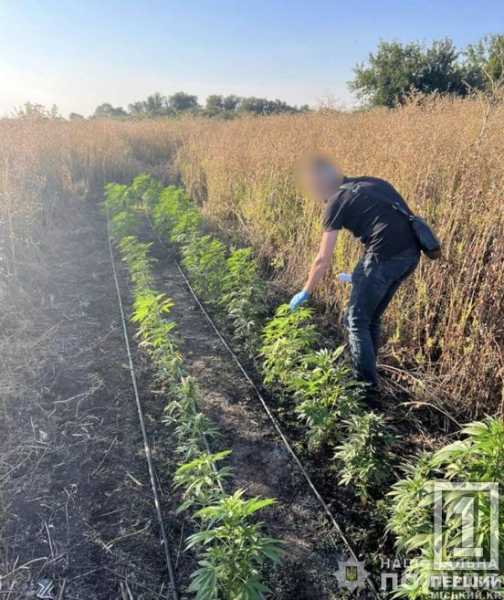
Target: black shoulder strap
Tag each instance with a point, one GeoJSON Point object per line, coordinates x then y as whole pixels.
{"type": "Point", "coordinates": [396, 206]}
{"type": "Point", "coordinates": [350, 186]}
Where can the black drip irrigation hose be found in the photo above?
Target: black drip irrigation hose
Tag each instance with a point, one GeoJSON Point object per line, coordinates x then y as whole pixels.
{"type": "Point", "coordinates": [285, 441]}
{"type": "Point", "coordinates": [147, 449]}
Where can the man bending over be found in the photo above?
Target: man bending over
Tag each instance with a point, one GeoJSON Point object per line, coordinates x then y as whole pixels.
{"type": "Point", "coordinates": [364, 206]}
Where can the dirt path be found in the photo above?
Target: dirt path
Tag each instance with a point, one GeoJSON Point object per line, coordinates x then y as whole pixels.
{"type": "Point", "coordinates": [79, 509]}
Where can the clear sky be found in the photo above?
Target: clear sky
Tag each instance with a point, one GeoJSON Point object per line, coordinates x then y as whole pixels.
{"type": "Point", "coordinates": [78, 54]}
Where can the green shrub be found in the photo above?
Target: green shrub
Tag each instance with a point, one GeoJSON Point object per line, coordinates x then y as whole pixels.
{"type": "Point", "coordinates": [286, 339]}
{"type": "Point", "coordinates": [366, 453]}
{"type": "Point", "coordinates": [233, 550]}
{"type": "Point", "coordinates": [326, 395]}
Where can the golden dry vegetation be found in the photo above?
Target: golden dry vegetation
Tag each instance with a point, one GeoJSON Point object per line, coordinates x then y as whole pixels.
{"type": "Point", "coordinates": [446, 156]}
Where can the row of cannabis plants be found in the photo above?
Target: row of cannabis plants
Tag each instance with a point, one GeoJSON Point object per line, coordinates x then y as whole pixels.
{"type": "Point", "coordinates": [325, 398]}
{"type": "Point", "coordinates": [231, 548]}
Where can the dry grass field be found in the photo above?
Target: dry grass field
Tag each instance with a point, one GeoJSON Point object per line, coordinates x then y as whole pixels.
{"type": "Point", "coordinates": [446, 156]}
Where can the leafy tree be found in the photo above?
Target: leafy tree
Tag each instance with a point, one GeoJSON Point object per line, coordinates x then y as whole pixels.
{"type": "Point", "coordinates": [156, 105]}
{"type": "Point", "coordinates": [263, 106]}
{"type": "Point", "coordinates": [214, 105]}
{"type": "Point", "coordinates": [231, 102]}
{"type": "Point", "coordinates": [441, 70]}
{"type": "Point", "coordinates": [136, 108]}
{"type": "Point", "coordinates": [217, 105]}
{"type": "Point", "coordinates": [35, 112]}
{"type": "Point", "coordinates": [221, 106]}
{"type": "Point", "coordinates": [107, 111]}
{"type": "Point", "coordinates": [395, 70]}
{"type": "Point", "coordinates": [257, 106]}
{"type": "Point", "coordinates": [485, 62]}
{"type": "Point", "coordinates": [279, 106]}
{"type": "Point", "coordinates": [182, 102]}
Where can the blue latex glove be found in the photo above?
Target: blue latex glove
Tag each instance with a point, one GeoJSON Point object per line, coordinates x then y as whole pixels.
{"type": "Point", "coordinates": [298, 299]}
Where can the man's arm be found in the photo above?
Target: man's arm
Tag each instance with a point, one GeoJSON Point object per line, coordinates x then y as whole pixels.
{"type": "Point", "coordinates": [322, 261]}
{"type": "Point", "coordinates": [318, 268]}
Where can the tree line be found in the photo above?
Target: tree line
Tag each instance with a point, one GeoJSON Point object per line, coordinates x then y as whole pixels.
{"type": "Point", "coordinates": [387, 77]}
{"type": "Point", "coordinates": [216, 105]}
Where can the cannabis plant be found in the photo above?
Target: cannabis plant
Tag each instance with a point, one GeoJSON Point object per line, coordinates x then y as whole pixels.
{"type": "Point", "coordinates": [366, 454]}
{"type": "Point", "coordinates": [187, 227]}
{"type": "Point", "coordinates": [477, 458]}
{"type": "Point", "coordinates": [149, 309]}
{"type": "Point", "coordinates": [233, 550]}
{"type": "Point", "coordinates": [193, 434]}
{"type": "Point", "coordinates": [185, 401]}
{"type": "Point", "coordinates": [118, 199]}
{"type": "Point", "coordinates": [146, 190]}
{"type": "Point", "coordinates": [123, 224]}
{"type": "Point", "coordinates": [202, 481]}
{"type": "Point", "coordinates": [204, 258]}
{"type": "Point", "coordinates": [286, 339]}
{"type": "Point", "coordinates": [326, 395]}
{"type": "Point", "coordinates": [411, 501]}
{"type": "Point", "coordinates": [140, 263]}
{"type": "Point", "coordinates": [243, 296]}
{"type": "Point", "coordinates": [170, 211]}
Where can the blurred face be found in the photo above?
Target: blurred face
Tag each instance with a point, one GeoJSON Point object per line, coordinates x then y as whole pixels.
{"type": "Point", "coordinates": [319, 177]}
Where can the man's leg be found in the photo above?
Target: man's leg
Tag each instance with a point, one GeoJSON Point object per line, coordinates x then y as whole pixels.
{"type": "Point", "coordinates": [398, 266]}
{"type": "Point", "coordinates": [368, 290]}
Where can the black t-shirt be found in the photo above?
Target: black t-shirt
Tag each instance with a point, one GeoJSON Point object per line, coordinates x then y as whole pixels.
{"type": "Point", "coordinates": [369, 215]}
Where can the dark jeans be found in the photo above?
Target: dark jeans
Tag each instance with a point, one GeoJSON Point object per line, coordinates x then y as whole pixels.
{"type": "Point", "coordinates": [374, 283]}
